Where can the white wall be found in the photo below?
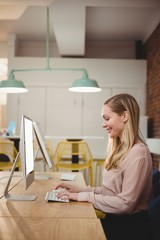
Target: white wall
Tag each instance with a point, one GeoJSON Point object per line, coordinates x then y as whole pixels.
{"type": "Point", "coordinates": [3, 50]}
{"type": "Point", "coordinates": [94, 49]}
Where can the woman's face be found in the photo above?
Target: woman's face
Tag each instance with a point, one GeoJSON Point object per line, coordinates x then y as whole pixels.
{"type": "Point", "coordinates": [112, 122]}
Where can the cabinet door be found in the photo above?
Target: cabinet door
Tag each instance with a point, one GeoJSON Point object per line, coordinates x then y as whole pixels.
{"type": "Point", "coordinates": [92, 112]}
{"type": "Point", "coordinates": [12, 109]}
{"type": "Point", "coordinates": [31, 104]}
{"type": "Point", "coordinates": [63, 112]}
{"type": "Point", "coordinates": [96, 136]}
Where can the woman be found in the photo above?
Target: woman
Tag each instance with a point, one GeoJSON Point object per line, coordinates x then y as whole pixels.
{"type": "Point", "coordinates": [127, 178]}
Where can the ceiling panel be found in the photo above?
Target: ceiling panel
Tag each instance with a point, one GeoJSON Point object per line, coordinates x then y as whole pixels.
{"type": "Point", "coordinates": [99, 20]}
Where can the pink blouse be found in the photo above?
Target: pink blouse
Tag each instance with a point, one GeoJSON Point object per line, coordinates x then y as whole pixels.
{"type": "Point", "coordinates": [128, 188]}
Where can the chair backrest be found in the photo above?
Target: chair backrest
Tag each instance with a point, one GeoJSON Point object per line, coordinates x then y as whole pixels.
{"type": "Point", "coordinates": [49, 147]}
{"type": "Point", "coordinates": [7, 147]}
{"type": "Point", "coordinates": [154, 214]}
{"type": "Point", "coordinates": [8, 153]}
{"type": "Point", "coordinates": [154, 207]}
{"type": "Point", "coordinates": [66, 149]}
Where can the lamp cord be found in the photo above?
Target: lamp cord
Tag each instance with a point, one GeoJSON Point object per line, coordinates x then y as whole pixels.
{"type": "Point", "coordinates": [47, 41]}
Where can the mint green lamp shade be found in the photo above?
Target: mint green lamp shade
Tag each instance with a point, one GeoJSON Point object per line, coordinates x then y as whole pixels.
{"type": "Point", "coordinates": [11, 85]}
{"type": "Point", "coordinates": [85, 85]}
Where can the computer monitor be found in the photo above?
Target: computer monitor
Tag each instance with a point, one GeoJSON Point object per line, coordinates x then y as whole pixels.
{"type": "Point", "coordinates": [27, 160]}
{"type": "Point", "coordinates": [41, 144]}
{"type": "Point", "coordinates": [26, 150]}
{"type": "Point", "coordinates": [26, 155]}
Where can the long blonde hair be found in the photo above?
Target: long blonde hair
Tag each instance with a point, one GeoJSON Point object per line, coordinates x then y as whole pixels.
{"type": "Point", "coordinates": [118, 148]}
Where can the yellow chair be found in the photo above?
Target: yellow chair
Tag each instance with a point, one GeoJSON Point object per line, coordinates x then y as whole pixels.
{"type": "Point", "coordinates": [49, 147]}
{"type": "Point", "coordinates": [99, 169]}
{"type": "Point", "coordinates": [74, 156]}
{"type": "Point", "coordinates": [8, 153]}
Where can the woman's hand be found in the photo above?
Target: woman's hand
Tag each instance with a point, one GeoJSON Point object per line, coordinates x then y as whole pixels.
{"type": "Point", "coordinates": [70, 188]}
{"type": "Point", "coordinates": [65, 195]}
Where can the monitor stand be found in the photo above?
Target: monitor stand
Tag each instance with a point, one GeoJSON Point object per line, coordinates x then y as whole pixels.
{"type": "Point", "coordinates": [7, 195]}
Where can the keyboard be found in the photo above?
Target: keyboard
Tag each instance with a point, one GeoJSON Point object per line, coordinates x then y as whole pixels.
{"type": "Point", "coordinates": [52, 197]}
{"type": "Point", "coordinates": [68, 177]}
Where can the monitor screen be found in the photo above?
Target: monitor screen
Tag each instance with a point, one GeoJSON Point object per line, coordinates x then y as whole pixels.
{"type": "Point", "coordinates": [26, 150]}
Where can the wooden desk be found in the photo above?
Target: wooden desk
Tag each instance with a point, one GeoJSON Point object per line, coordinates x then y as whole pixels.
{"type": "Point", "coordinates": [41, 208]}
{"type": "Point", "coordinates": [50, 229]}
{"type": "Point", "coordinates": [31, 220]}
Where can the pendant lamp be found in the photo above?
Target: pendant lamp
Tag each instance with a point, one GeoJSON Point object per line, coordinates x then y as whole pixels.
{"type": "Point", "coordinates": [11, 85]}
{"type": "Point", "coordinates": [85, 85]}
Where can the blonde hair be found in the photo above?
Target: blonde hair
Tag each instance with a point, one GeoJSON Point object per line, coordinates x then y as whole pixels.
{"type": "Point", "coordinates": [118, 148]}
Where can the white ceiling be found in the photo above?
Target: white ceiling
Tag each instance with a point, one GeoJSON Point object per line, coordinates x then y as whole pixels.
{"type": "Point", "coordinates": [75, 22]}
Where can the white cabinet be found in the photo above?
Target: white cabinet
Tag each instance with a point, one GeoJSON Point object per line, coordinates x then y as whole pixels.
{"type": "Point", "coordinates": [31, 104]}
{"type": "Point", "coordinates": [63, 114]}
{"type": "Point", "coordinates": [58, 111]}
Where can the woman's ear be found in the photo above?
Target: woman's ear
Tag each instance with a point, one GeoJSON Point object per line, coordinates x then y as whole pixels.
{"type": "Point", "coordinates": [125, 116]}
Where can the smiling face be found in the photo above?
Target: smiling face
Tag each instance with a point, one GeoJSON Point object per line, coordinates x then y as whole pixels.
{"type": "Point", "coordinates": [113, 122]}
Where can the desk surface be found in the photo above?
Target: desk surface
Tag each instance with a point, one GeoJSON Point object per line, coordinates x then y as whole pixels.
{"type": "Point", "coordinates": [50, 229]}
{"type": "Point", "coordinates": [4, 175]}
{"type": "Point", "coordinates": [41, 208]}
{"type": "Point", "coordinates": [39, 220]}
